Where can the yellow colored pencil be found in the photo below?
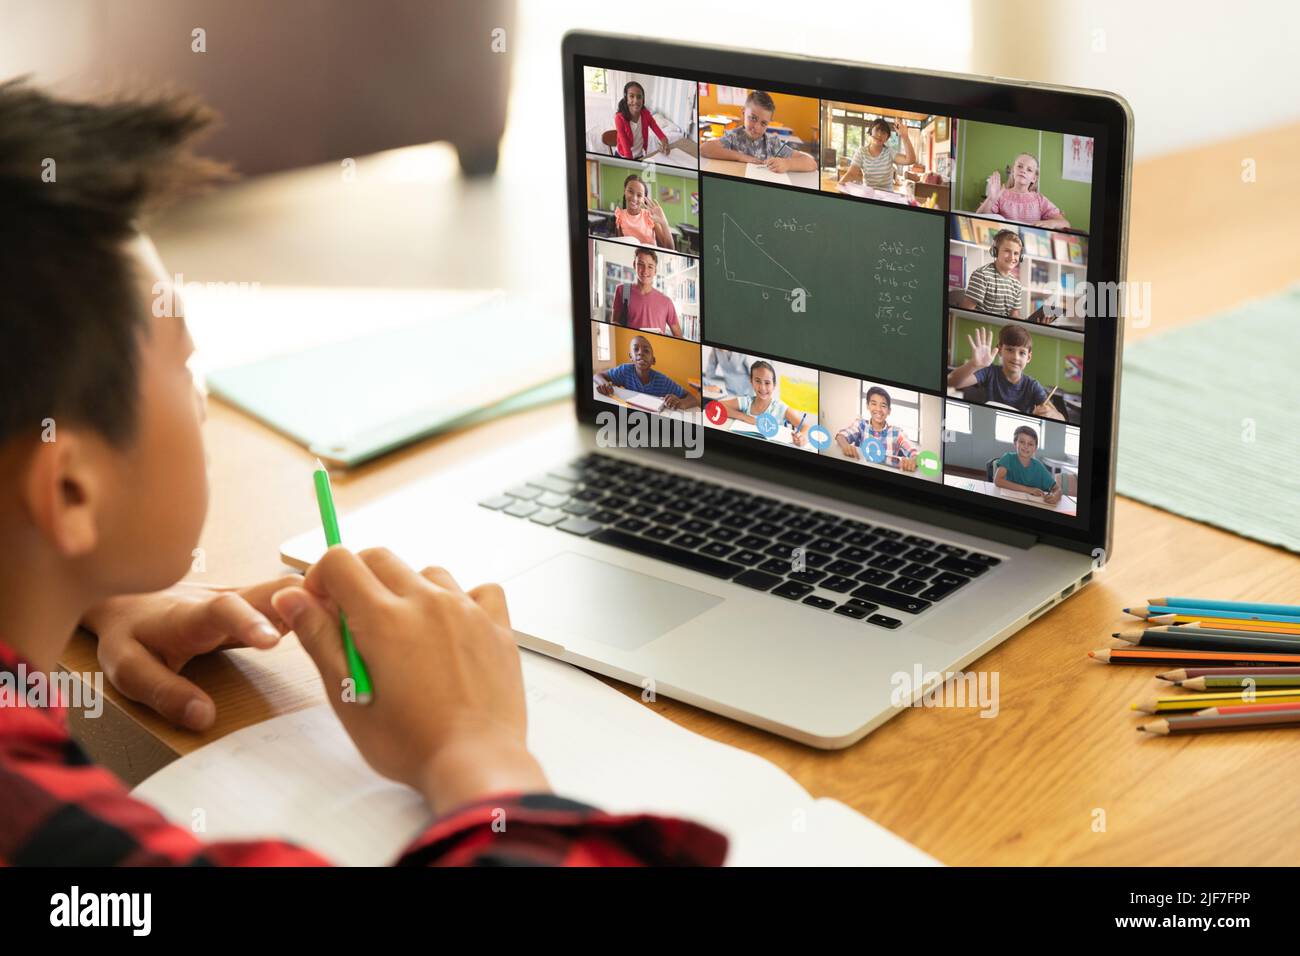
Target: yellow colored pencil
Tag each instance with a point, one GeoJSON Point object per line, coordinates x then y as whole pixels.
{"type": "Point", "coordinates": [1177, 702]}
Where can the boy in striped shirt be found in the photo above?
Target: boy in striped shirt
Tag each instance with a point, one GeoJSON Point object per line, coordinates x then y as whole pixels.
{"type": "Point", "coordinates": [993, 287]}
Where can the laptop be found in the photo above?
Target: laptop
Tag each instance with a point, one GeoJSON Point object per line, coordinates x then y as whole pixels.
{"type": "Point", "coordinates": [770, 504]}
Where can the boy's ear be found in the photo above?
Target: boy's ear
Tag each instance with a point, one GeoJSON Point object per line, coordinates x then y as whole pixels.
{"type": "Point", "coordinates": [61, 491]}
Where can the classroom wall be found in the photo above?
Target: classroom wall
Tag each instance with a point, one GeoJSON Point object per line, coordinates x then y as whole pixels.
{"type": "Point", "coordinates": [800, 113]}
{"type": "Point", "coordinates": [1047, 364]}
{"type": "Point", "coordinates": [678, 359]}
{"type": "Point", "coordinates": [611, 191]}
{"type": "Point", "coordinates": [983, 148]}
{"type": "Point", "coordinates": [975, 449]}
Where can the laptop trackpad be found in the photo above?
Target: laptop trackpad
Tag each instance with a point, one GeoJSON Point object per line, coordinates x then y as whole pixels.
{"type": "Point", "coordinates": [570, 596]}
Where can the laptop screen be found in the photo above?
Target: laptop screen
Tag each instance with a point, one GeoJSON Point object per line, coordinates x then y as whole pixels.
{"type": "Point", "coordinates": [893, 290]}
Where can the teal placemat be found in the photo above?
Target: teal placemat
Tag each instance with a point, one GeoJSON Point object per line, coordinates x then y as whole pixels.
{"type": "Point", "coordinates": [1210, 421]}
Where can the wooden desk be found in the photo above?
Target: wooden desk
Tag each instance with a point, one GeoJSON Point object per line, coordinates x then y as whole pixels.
{"type": "Point", "coordinates": [1020, 789]}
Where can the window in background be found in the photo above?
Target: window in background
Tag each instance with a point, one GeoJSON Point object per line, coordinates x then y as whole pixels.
{"type": "Point", "coordinates": [1004, 427]}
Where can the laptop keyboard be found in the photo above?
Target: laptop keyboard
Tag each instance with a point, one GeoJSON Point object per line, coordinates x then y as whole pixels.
{"type": "Point", "coordinates": [828, 562]}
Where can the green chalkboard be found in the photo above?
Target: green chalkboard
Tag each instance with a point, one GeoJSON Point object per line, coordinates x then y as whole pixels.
{"type": "Point", "coordinates": [812, 277]}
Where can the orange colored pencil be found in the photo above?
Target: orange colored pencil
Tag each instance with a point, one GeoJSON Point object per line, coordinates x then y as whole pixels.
{"type": "Point", "coordinates": [1260, 708]}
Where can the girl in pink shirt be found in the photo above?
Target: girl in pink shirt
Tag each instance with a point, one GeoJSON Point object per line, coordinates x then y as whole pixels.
{"type": "Point", "coordinates": [640, 217]}
{"type": "Point", "coordinates": [634, 124]}
{"type": "Point", "coordinates": [1020, 199]}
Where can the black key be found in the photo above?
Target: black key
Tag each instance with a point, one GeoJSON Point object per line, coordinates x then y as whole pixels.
{"type": "Point", "coordinates": [773, 566]}
{"type": "Point", "coordinates": [709, 513]}
{"type": "Point", "coordinates": [906, 585]}
{"type": "Point", "coordinates": [719, 550]}
{"type": "Point", "coordinates": [782, 551]}
{"type": "Point", "coordinates": [807, 577]}
{"type": "Point", "coordinates": [865, 605]}
{"type": "Point", "coordinates": [795, 537]}
{"type": "Point", "coordinates": [824, 604]}
{"type": "Point", "coordinates": [796, 509]}
{"type": "Point", "coordinates": [688, 541]}
{"type": "Point", "coordinates": [848, 610]}
{"type": "Point", "coordinates": [832, 529]}
{"type": "Point", "coordinates": [857, 555]}
{"type": "Point", "coordinates": [874, 576]}
{"type": "Point", "coordinates": [654, 497]}
{"type": "Point", "coordinates": [640, 510]}
{"type": "Point", "coordinates": [956, 565]}
{"type": "Point", "coordinates": [614, 501]}
{"type": "Point", "coordinates": [496, 502]}
{"type": "Point", "coordinates": [660, 533]}
{"type": "Point", "coordinates": [589, 494]}
{"type": "Point", "coordinates": [604, 516]}
{"type": "Point", "coordinates": [985, 559]}
{"type": "Point", "coordinates": [948, 579]}
{"type": "Point", "coordinates": [579, 526]}
{"type": "Point", "coordinates": [695, 526]}
{"type": "Point", "coordinates": [719, 533]}
{"type": "Point", "coordinates": [839, 584]}
{"type": "Point", "coordinates": [890, 547]}
{"type": "Point", "coordinates": [747, 557]}
{"type": "Point", "coordinates": [942, 586]}
{"type": "Point", "coordinates": [736, 520]}
{"type": "Point", "coordinates": [921, 571]}
{"type": "Point", "coordinates": [860, 539]}
{"type": "Point", "coordinates": [919, 541]}
{"type": "Point", "coordinates": [680, 504]}
{"type": "Point", "coordinates": [952, 549]}
{"type": "Point", "coordinates": [814, 559]}
{"type": "Point", "coordinates": [666, 552]}
{"type": "Point", "coordinates": [842, 567]}
{"type": "Point", "coordinates": [757, 580]}
{"type": "Point", "coordinates": [578, 508]}
{"type": "Point", "coordinates": [792, 590]}
{"type": "Point", "coordinates": [887, 533]}
{"type": "Point", "coordinates": [827, 545]}
{"type": "Point", "coordinates": [801, 523]}
{"type": "Point", "coordinates": [752, 541]}
{"type": "Point", "coordinates": [885, 563]}
{"type": "Point", "coordinates": [899, 602]}
{"type": "Point", "coordinates": [765, 529]}
{"type": "Point", "coordinates": [669, 519]}
{"type": "Point", "coordinates": [520, 509]}
{"type": "Point", "coordinates": [632, 524]}
{"type": "Point", "coordinates": [884, 620]}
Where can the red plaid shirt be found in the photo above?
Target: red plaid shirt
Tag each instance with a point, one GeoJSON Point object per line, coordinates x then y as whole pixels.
{"type": "Point", "coordinates": [59, 808]}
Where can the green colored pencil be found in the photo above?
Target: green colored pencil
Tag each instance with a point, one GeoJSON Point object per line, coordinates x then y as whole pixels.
{"type": "Point", "coordinates": [330, 520]}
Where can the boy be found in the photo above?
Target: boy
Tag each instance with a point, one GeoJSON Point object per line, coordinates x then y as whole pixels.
{"type": "Point", "coordinates": [103, 493]}
{"type": "Point", "coordinates": [1021, 471]}
{"type": "Point", "coordinates": [895, 444]}
{"type": "Point", "coordinates": [639, 375]}
{"type": "Point", "coordinates": [752, 143]}
{"type": "Point", "coordinates": [1007, 383]}
{"type": "Point", "coordinates": [643, 306]}
{"type": "Point", "coordinates": [993, 287]}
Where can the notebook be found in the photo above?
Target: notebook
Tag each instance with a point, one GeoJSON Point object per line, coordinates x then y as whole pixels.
{"type": "Point", "coordinates": [299, 777]}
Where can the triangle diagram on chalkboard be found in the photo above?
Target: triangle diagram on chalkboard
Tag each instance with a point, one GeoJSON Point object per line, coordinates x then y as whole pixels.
{"type": "Point", "coordinates": [738, 247]}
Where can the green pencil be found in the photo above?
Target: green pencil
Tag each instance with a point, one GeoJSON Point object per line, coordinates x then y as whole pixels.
{"type": "Point", "coordinates": [329, 519]}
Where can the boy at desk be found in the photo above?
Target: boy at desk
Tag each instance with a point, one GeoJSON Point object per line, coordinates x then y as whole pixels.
{"type": "Point", "coordinates": [1006, 383]}
{"type": "Point", "coordinates": [1021, 471]}
{"type": "Point", "coordinates": [103, 493]}
{"type": "Point", "coordinates": [752, 143]}
{"type": "Point", "coordinates": [898, 448]}
{"type": "Point", "coordinates": [639, 375]}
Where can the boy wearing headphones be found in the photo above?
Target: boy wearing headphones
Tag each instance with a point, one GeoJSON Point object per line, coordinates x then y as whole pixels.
{"type": "Point", "coordinates": [993, 287]}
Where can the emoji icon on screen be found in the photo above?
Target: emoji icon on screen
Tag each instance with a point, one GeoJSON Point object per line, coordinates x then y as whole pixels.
{"type": "Point", "coordinates": [767, 425]}
{"type": "Point", "coordinates": [819, 437]}
{"type": "Point", "coordinates": [873, 450]}
{"type": "Point", "coordinates": [716, 413]}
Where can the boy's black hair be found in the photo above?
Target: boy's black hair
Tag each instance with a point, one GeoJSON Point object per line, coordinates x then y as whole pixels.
{"type": "Point", "coordinates": [75, 180]}
{"type": "Point", "coordinates": [1024, 429]}
{"type": "Point", "coordinates": [762, 100]}
{"type": "Point", "coordinates": [877, 390]}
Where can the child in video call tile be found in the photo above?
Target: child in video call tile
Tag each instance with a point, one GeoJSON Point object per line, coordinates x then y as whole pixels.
{"type": "Point", "coordinates": [640, 217]}
{"type": "Point", "coordinates": [1019, 470]}
{"type": "Point", "coordinates": [896, 444]}
{"type": "Point", "coordinates": [1006, 383]}
{"type": "Point", "coordinates": [634, 123]}
{"type": "Point", "coordinates": [874, 163]}
{"type": "Point", "coordinates": [639, 375]}
{"type": "Point", "coordinates": [747, 408]}
{"type": "Point", "coordinates": [1020, 199]}
{"type": "Point", "coordinates": [752, 143]}
{"type": "Point", "coordinates": [728, 369]}
{"type": "Point", "coordinates": [993, 287]}
{"type": "Point", "coordinates": [647, 307]}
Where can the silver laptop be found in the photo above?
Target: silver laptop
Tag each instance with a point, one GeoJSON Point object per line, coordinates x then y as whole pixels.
{"type": "Point", "coordinates": [846, 358]}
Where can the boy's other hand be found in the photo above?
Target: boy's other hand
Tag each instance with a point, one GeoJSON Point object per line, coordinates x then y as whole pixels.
{"type": "Point", "coordinates": [145, 640]}
{"type": "Point", "coordinates": [448, 715]}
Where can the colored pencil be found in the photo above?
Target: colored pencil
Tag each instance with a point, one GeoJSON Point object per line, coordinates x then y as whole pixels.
{"type": "Point", "coordinates": [1168, 702]}
{"type": "Point", "coordinates": [1195, 639]}
{"type": "Point", "coordinates": [1257, 680]}
{"type": "Point", "coordinates": [1181, 725]}
{"type": "Point", "coordinates": [1153, 655]}
{"type": "Point", "coordinates": [1222, 623]}
{"type": "Point", "coordinates": [1291, 610]}
{"type": "Point", "coordinates": [1265, 708]}
{"type": "Point", "coordinates": [1183, 673]}
{"type": "Point", "coordinates": [330, 522]}
{"type": "Point", "coordinates": [1201, 613]}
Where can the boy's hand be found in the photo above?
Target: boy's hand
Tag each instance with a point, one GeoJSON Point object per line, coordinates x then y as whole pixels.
{"type": "Point", "coordinates": [448, 715]}
{"type": "Point", "coordinates": [778, 165]}
{"type": "Point", "coordinates": [850, 451]}
{"type": "Point", "coordinates": [982, 348]}
{"type": "Point", "coordinates": [145, 640]}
